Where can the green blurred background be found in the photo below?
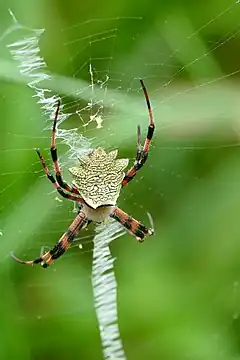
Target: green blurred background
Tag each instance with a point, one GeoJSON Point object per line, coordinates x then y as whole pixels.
{"type": "Point", "coordinates": [178, 293]}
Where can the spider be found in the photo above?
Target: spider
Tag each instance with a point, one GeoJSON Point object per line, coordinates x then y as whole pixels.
{"type": "Point", "coordinates": [97, 181]}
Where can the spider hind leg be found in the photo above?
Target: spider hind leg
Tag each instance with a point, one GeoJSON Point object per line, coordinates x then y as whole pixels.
{"type": "Point", "coordinates": [142, 151]}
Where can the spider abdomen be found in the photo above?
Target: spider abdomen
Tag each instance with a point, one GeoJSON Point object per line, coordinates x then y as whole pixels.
{"type": "Point", "coordinates": [98, 177]}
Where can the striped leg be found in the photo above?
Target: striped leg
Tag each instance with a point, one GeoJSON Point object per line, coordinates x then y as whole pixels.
{"type": "Point", "coordinates": [63, 244]}
{"type": "Point", "coordinates": [135, 228]}
{"type": "Point", "coordinates": [55, 183]}
{"type": "Point", "coordinates": [142, 152]}
{"type": "Point", "coordinates": [53, 150]}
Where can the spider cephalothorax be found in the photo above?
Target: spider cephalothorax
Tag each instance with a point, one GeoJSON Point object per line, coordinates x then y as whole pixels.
{"type": "Point", "coordinates": [98, 177]}
{"type": "Point", "coordinates": [97, 181]}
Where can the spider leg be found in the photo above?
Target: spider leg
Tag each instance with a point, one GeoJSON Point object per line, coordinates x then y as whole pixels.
{"type": "Point", "coordinates": [63, 244]}
{"type": "Point", "coordinates": [55, 183]}
{"type": "Point", "coordinates": [142, 152]}
{"type": "Point", "coordinates": [135, 228]}
{"type": "Point", "coordinates": [53, 150]}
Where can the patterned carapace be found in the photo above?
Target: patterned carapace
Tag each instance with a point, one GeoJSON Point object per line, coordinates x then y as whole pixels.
{"type": "Point", "coordinates": [97, 181]}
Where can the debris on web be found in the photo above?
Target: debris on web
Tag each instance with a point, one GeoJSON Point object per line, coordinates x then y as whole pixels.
{"type": "Point", "coordinates": [105, 290]}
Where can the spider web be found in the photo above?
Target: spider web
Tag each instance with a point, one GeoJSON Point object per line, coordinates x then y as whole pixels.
{"type": "Point", "coordinates": [26, 54]}
{"type": "Point", "coordinates": [102, 103]}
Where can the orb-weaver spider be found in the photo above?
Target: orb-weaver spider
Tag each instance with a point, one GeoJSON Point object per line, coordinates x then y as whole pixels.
{"type": "Point", "coordinates": [97, 181]}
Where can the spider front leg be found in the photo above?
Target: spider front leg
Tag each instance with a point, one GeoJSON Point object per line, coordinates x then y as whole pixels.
{"type": "Point", "coordinates": [63, 244]}
{"type": "Point", "coordinates": [142, 152]}
{"type": "Point", "coordinates": [135, 228]}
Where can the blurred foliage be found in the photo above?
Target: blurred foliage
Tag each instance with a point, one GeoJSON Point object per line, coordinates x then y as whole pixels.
{"type": "Point", "coordinates": [178, 293]}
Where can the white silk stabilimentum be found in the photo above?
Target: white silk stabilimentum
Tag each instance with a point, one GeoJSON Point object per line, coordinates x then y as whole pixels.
{"type": "Point", "coordinates": [26, 53]}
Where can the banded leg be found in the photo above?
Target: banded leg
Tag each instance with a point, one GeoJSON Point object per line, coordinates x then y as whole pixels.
{"type": "Point", "coordinates": [55, 183]}
{"type": "Point", "coordinates": [135, 228]}
{"type": "Point", "coordinates": [142, 152]}
{"type": "Point", "coordinates": [53, 150]}
{"type": "Point", "coordinates": [63, 244]}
